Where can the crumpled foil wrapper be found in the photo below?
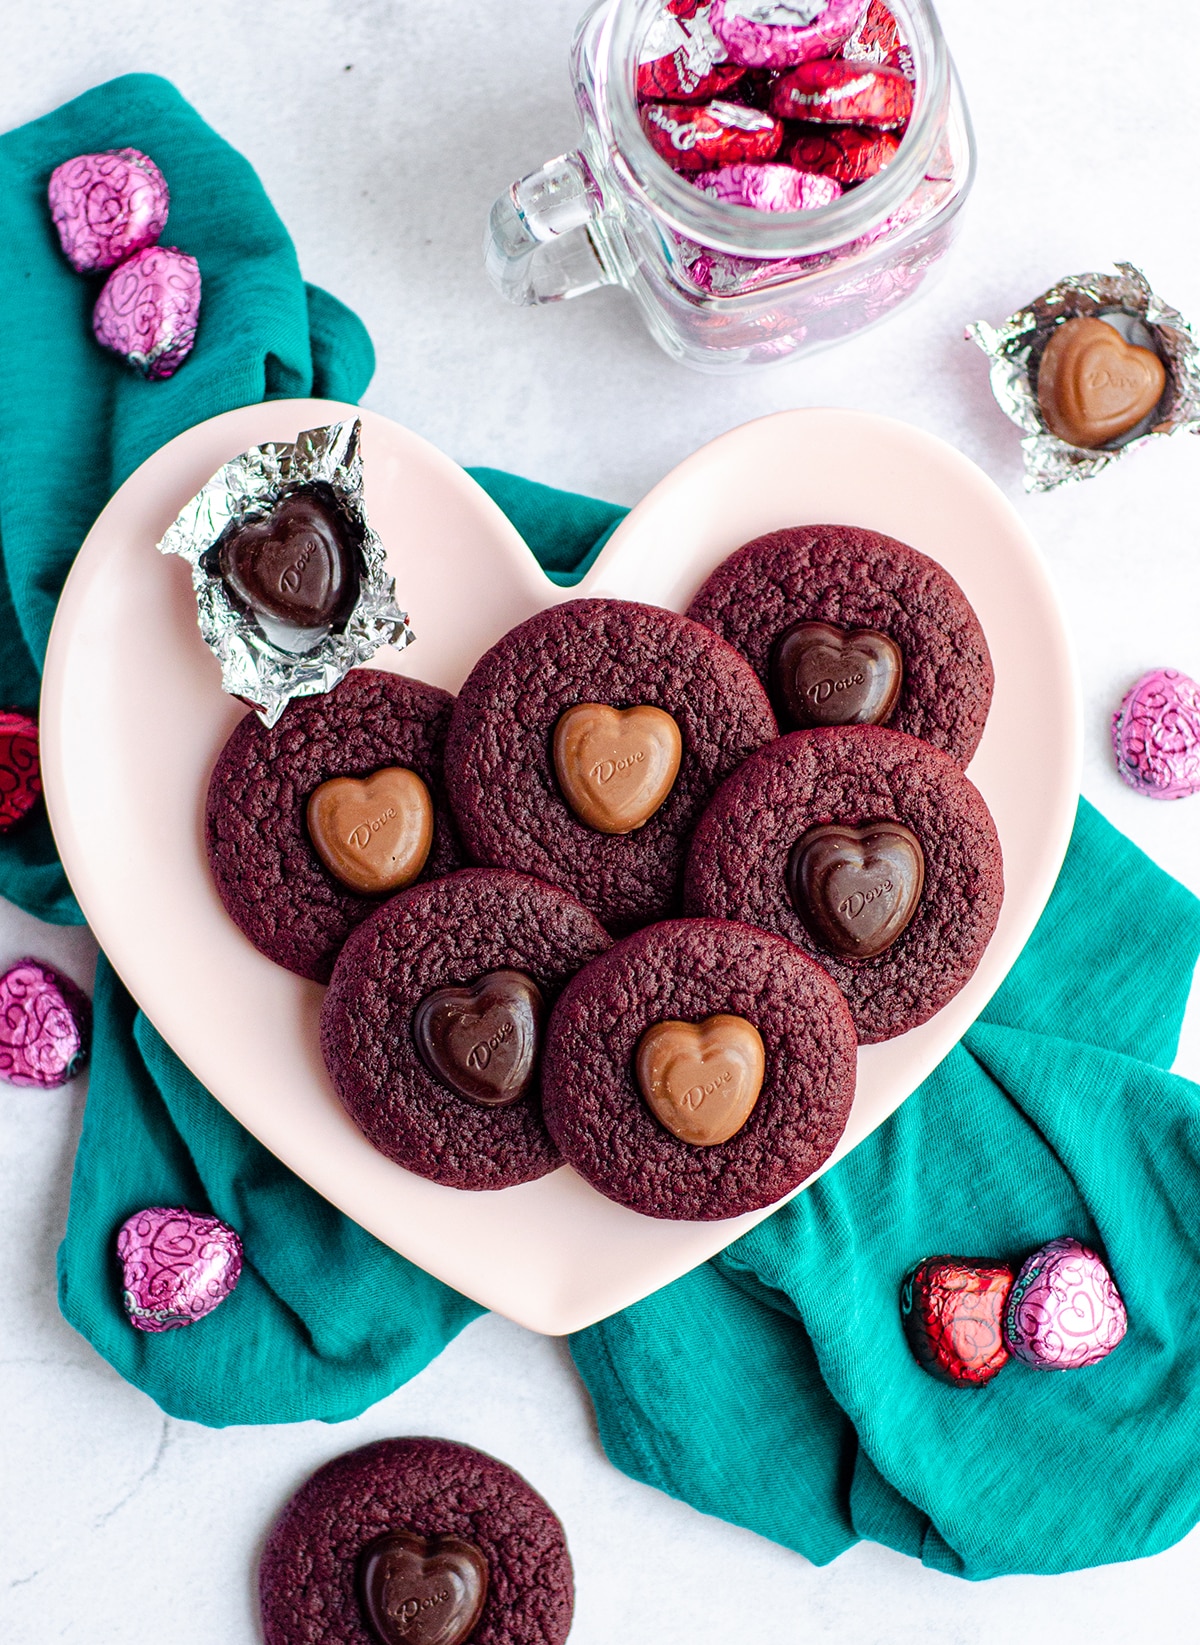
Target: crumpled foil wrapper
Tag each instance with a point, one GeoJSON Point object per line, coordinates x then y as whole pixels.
{"type": "Point", "coordinates": [253, 666]}
{"type": "Point", "coordinates": [1015, 350]}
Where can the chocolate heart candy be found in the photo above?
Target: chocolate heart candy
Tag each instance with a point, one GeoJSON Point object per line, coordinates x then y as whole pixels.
{"type": "Point", "coordinates": [297, 566]}
{"type": "Point", "coordinates": [1064, 1311]}
{"type": "Point", "coordinates": [1093, 386]}
{"type": "Point", "coordinates": [701, 1080]}
{"type": "Point", "coordinates": [616, 766]}
{"type": "Point", "coordinates": [482, 1041]}
{"type": "Point", "coordinates": [176, 1266]}
{"type": "Point", "coordinates": [824, 675]}
{"type": "Point", "coordinates": [856, 889]}
{"type": "Point", "coordinates": [372, 834]}
{"type": "Point", "coordinates": [416, 1590]}
{"type": "Point", "coordinates": [952, 1310]}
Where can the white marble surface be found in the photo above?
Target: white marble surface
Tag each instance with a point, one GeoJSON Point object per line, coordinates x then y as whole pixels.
{"type": "Point", "coordinates": [382, 129]}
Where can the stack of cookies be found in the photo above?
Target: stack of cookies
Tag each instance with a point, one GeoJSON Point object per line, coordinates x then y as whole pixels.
{"type": "Point", "coordinates": [598, 909]}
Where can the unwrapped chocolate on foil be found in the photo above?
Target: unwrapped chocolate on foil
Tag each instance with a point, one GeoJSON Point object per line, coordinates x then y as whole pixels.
{"type": "Point", "coordinates": [1015, 350]}
{"type": "Point", "coordinates": [263, 662]}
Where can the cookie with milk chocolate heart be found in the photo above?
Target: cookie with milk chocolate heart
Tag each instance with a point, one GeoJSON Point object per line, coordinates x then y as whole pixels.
{"type": "Point", "coordinates": [845, 626]}
{"type": "Point", "coordinates": [698, 1069]}
{"type": "Point", "coordinates": [868, 849]}
{"type": "Point", "coordinates": [310, 823]}
{"type": "Point", "coordinates": [587, 741]}
{"type": "Point", "coordinates": [416, 1542]}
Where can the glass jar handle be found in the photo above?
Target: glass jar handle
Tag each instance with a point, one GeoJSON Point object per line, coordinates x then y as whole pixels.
{"type": "Point", "coordinates": [537, 248]}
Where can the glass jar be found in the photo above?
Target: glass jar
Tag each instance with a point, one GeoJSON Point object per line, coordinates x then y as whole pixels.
{"type": "Point", "coordinates": [723, 287]}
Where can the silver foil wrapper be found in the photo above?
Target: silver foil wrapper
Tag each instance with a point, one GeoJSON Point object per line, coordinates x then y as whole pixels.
{"type": "Point", "coordinates": [265, 663]}
{"type": "Point", "coordinates": [1015, 350]}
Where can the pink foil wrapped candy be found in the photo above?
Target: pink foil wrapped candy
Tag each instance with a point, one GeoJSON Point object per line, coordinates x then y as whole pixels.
{"type": "Point", "coordinates": [45, 1026]}
{"type": "Point", "coordinates": [177, 1266]}
{"type": "Point", "coordinates": [769, 188]}
{"type": "Point", "coordinates": [777, 34]}
{"type": "Point", "coordinates": [1156, 735]}
{"type": "Point", "coordinates": [149, 308]}
{"type": "Point", "coordinates": [1064, 1310]}
{"type": "Point", "coordinates": [107, 206]}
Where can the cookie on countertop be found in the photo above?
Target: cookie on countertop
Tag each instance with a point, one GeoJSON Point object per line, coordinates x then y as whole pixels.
{"type": "Point", "coordinates": [587, 741]}
{"type": "Point", "coordinates": [416, 1542]}
{"type": "Point", "coordinates": [357, 771]}
{"type": "Point", "coordinates": [699, 1069]}
{"type": "Point", "coordinates": [847, 626]}
{"type": "Point", "coordinates": [870, 850]}
{"type": "Point", "coordinates": [432, 1026]}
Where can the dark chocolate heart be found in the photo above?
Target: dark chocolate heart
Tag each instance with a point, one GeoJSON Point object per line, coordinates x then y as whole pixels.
{"type": "Point", "coordinates": [415, 1590]}
{"type": "Point", "coordinates": [856, 889]}
{"type": "Point", "coordinates": [298, 565]}
{"type": "Point", "coordinates": [823, 675]}
{"type": "Point", "coordinates": [482, 1041]}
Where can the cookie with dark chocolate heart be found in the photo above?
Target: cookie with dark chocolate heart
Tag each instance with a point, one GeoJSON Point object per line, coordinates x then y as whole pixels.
{"type": "Point", "coordinates": [848, 627]}
{"type": "Point", "coordinates": [432, 1026]}
{"type": "Point", "coordinates": [416, 1542]}
{"type": "Point", "coordinates": [868, 849]}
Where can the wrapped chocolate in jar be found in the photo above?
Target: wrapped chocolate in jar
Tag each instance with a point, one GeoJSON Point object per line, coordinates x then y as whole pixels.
{"type": "Point", "coordinates": [765, 177]}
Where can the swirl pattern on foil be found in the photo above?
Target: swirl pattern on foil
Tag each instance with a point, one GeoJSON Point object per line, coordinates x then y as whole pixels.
{"type": "Point", "coordinates": [107, 206]}
{"type": "Point", "coordinates": [20, 767]}
{"type": "Point", "coordinates": [776, 34]}
{"type": "Point", "coordinates": [951, 1309]}
{"type": "Point", "coordinates": [1064, 1311]}
{"type": "Point", "coordinates": [769, 188]}
{"type": "Point", "coordinates": [177, 1266]}
{"type": "Point", "coordinates": [149, 308]}
{"type": "Point", "coordinates": [45, 1026]}
{"type": "Point", "coordinates": [1156, 735]}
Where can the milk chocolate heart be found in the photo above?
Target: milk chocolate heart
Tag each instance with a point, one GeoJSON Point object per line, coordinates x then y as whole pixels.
{"type": "Point", "coordinates": [856, 889]}
{"type": "Point", "coordinates": [616, 766]}
{"type": "Point", "coordinates": [701, 1080]}
{"type": "Point", "coordinates": [415, 1590]}
{"type": "Point", "coordinates": [824, 675]}
{"type": "Point", "coordinates": [482, 1041]}
{"type": "Point", "coordinates": [372, 834]}
{"type": "Point", "coordinates": [297, 566]}
{"type": "Point", "coordinates": [1093, 386]}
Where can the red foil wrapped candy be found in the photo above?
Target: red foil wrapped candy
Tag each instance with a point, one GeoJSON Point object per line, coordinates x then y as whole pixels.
{"type": "Point", "coordinates": [177, 1266]}
{"type": "Point", "coordinates": [107, 206]}
{"type": "Point", "coordinates": [149, 309]}
{"type": "Point", "coordinates": [877, 39]}
{"type": "Point", "coordinates": [840, 93]}
{"type": "Point", "coordinates": [769, 188]}
{"type": "Point", "coordinates": [700, 138]}
{"type": "Point", "coordinates": [682, 61]}
{"type": "Point", "coordinates": [1064, 1311]}
{"type": "Point", "coordinates": [20, 767]}
{"type": "Point", "coordinates": [775, 34]}
{"type": "Point", "coordinates": [45, 1026]}
{"type": "Point", "coordinates": [952, 1310]}
{"type": "Point", "coordinates": [848, 154]}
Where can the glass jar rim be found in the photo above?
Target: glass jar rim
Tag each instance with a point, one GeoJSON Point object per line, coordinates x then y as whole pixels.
{"type": "Point", "coordinates": [740, 230]}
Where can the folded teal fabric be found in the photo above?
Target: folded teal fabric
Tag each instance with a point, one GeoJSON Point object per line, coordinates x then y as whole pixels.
{"type": "Point", "coordinates": [774, 1387]}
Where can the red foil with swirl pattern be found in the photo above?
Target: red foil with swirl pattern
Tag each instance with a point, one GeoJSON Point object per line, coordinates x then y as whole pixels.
{"type": "Point", "coordinates": [952, 1310]}
{"type": "Point", "coordinates": [848, 154]}
{"type": "Point", "coordinates": [177, 1266]}
{"type": "Point", "coordinates": [45, 1026]}
{"type": "Point", "coordinates": [694, 137]}
{"type": "Point", "coordinates": [835, 92]}
{"type": "Point", "coordinates": [20, 767]}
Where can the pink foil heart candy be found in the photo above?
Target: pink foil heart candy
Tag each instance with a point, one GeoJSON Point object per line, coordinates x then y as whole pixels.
{"type": "Point", "coordinates": [149, 308]}
{"type": "Point", "coordinates": [177, 1266]}
{"type": "Point", "coordinates": [1064, 1311]}
{"type": "Point", "coordinates": [45, 1026]}
{"type": "Point", "coordinates": [1156, 735]}
{"type": "Point", "coordinates": [769, 188]}
{"type": "Point", "coordinates": [776, 34]}
{"type": "Point", "coordinates": [107, 206]}
{"type": "Point", "coordinates": [20, 767]}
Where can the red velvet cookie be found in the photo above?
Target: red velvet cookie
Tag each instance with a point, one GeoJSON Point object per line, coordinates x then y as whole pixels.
{"type": "Point", "coordinates": [578, 797]}
{"type": "Point", "coordinates": [267, 871]}
{"type": "Point", "coordinates": [434, 1541]}
{"type": "Point", "coordinates": [803, 840]}
{"type": "Point", "coordinates": [432, 1025]}
{"type": "Point", "coordinates": [654, 1090]}
{"type": "Point", "coordinates": [855, 580]}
